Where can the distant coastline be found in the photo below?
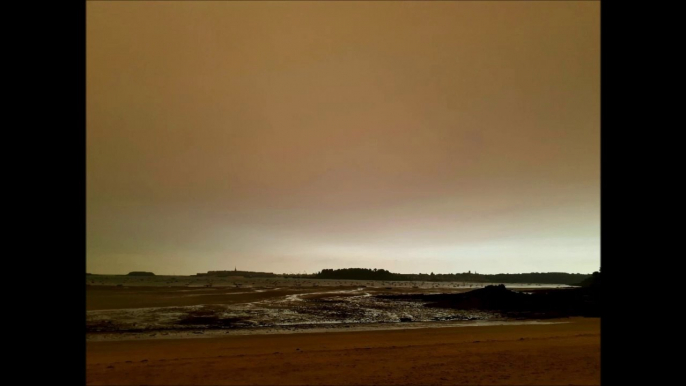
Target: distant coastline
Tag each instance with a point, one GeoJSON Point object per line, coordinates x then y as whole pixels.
{"type": "Point", "coordinates": [236, 273]}
{"type": "Point", "coordinates": [140, 273]}
{"type": "Point", "coordinates": [573, 279]}
{"type": "Point", "coordinates": [381, 274]}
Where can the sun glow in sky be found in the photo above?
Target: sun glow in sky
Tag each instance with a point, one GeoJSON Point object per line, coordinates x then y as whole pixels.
{"type": "Point", "coordinates": [297, 136]}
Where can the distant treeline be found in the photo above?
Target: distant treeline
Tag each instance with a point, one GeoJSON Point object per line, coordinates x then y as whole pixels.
{"type": "Point", "coordinates": [382, 274]}
{"type": "Point", "coordinates": [358, 274]}
{"type": "Point", "coordinates": [140, 273]}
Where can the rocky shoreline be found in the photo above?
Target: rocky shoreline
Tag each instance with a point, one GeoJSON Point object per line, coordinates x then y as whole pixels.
{"type": "Point", "coordinates": [533, 304]}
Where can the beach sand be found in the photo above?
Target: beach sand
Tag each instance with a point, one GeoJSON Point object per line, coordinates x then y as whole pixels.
{"type": "Point", "coordinates": [541, 354]}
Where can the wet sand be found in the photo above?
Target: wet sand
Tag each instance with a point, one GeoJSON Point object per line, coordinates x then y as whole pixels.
{"type": "Point", "coordinates": [146, 311]}
{"type": "Point", "coordinates": [542, 354]}
{"type": "Point", "coordinates": [155, 311]}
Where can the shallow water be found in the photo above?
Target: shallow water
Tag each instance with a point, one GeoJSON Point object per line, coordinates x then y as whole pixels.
{"type": "Point", "coordinates": [244, 283]}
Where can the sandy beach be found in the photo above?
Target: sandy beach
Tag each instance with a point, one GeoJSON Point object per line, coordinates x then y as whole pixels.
{"type": "Point", "coordinates": [281, 332]}
{"type": "Point", "coordinates": [341, 193]}
{"type": "Point", "coordinates": [541, 354]}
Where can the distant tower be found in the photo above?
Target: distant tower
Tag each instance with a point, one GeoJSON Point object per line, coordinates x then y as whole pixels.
{"type": "Point", "coordinates": [234, 268]}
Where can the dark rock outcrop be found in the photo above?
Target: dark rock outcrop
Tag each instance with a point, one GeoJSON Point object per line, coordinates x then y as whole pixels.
{"type": "Point", "coordinates": [537, 304]}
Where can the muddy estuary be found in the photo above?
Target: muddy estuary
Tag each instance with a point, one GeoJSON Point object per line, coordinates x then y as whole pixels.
{"type": "Point", "coordinates": [124, 308]}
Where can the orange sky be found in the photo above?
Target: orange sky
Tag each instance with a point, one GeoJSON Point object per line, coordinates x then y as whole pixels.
{"type": "Point", "coordinates": [295, 136]}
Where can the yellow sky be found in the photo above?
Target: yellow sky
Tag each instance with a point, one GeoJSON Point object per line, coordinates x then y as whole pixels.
{"type": "Point", "coordinates": [296, 136]}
